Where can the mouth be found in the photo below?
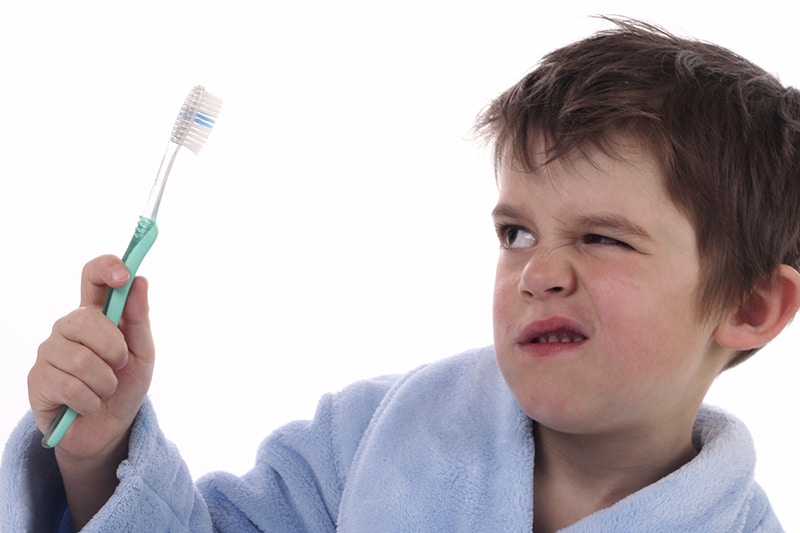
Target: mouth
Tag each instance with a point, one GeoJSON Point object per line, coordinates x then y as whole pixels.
{"type": "Point", "coordinates": [553, 331]}
{"type": "Point", "coordinates": [561, 336]}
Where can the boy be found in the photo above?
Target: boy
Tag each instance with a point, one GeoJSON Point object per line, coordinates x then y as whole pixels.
{"type": "Point", "coordinates": [649, 240]}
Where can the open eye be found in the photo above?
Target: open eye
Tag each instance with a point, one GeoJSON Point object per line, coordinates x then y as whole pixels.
{"type": "Point", "coordinates": [594, 238]}
{"type": "Point", "coordinates": [515, 237]}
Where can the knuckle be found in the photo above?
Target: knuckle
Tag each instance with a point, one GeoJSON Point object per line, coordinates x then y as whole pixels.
{"type": "Point", "coordinates": [78, 396]}
{"type": "Point", "coordinates": [35, 377]}
{"type": "Point", "coordinates": [71, 325]}
{"type": "Point", "coordinates": [93, 372]}
{"type": "Point", "coordinates": [82, 361]}
{"type": "Point", "coordinates": [73, 389]}
{"type": "Point", "coordinates": [80, 318]}
{"type": "Point", "coordinates": [43, 350]}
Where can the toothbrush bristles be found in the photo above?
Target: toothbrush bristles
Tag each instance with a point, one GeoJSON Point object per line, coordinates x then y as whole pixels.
{"type": "Point", "coordinates": [196, 119]}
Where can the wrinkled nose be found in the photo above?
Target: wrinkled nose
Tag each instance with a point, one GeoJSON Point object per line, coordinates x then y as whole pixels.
{"type": "Point", "coordinates": [546, 275]}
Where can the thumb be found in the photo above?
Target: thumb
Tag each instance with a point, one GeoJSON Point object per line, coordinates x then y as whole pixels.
{"type": "Point", "coordinates": [135, 321]}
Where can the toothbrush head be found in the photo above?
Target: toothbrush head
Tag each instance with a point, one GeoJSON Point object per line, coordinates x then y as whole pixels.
{"type": "Point", "coordinates": [196, 119]}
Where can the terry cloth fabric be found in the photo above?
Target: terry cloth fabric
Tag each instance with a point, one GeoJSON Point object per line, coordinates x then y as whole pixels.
{"type": "Point", "coordinates": [444, 448]}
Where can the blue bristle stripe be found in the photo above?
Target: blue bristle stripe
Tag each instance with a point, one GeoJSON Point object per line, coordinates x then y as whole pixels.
{"type": "Point", "coordinates": [204, 120]}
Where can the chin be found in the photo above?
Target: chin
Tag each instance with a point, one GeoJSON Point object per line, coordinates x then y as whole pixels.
{"type": "Point", "coordinates": [561, 413]}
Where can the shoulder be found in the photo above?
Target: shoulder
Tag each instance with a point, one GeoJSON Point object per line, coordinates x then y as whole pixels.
{"type": "Point", "coordinates": [361, 400]}
{"type": "Point", "coordinates": [346, 415]}
{"type": "Point", "coordinates": [761, 517]}
{"type": "Point", "coordinates": [728, 457]}
{"type": "Point", "coordinates": [345, 418]}
{"type": "Point", "coordinates": [471, 376]}
{"type": "Point", "coordinates": [342, 417]}
{"type": "Point", "coordinates": [302, 468]}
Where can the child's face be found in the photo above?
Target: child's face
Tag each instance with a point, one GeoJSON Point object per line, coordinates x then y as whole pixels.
{"type": "Point", "coordinates": [595, 304]}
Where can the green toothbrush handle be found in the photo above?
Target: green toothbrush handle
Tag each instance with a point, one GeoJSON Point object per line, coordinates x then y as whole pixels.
{"type": "Point", "coordinates": [143, 238]}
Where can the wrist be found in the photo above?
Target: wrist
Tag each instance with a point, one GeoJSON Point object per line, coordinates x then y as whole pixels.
{"type": "Point", "coordinates": [90, 481]}
{"type": "Point", "coordinates": [71, 463]}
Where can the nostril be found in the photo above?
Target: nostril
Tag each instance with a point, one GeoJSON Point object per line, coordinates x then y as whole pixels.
{"type": "Point", "coordinates": [547, 276]}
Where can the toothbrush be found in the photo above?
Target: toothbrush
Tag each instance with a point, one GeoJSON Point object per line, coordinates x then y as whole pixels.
{"type": "Point", "coordinates": [192, 127]}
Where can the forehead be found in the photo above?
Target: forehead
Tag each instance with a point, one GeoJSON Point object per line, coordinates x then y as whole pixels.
{"type": "Point", "coordinates": [621, 166]}
{"type": "Point", "coordinates": [595, 186]}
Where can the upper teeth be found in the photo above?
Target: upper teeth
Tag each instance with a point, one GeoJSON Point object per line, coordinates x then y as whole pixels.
{"type": "Point", "coordinates": [562, 337]}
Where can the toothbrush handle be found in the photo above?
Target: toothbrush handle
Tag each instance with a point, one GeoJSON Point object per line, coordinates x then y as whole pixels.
{"type": "Point", "coordinates": [143, 238]}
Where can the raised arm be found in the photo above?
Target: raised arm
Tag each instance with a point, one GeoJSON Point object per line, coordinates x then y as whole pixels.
{"type": "Point", "coordinates": [102, 372]}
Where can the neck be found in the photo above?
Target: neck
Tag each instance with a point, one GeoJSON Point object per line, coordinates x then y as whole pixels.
{"type": "Point", "coordinates": [576, 475]}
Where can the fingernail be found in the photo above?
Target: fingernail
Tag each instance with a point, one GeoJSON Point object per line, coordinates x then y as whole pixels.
{"type": "Point", "coordinates": [119, 273]}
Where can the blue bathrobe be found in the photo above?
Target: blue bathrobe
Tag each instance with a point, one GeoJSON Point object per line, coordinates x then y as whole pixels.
{"type": "Point", "coordinates": [443, 448]}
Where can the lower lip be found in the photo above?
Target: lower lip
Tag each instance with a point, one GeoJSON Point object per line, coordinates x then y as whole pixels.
{"type": "Point", "coordinates": [549, 349]}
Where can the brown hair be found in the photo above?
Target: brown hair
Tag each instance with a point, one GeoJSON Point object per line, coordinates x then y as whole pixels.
{"type": "Point", "coordinates": [727, 134]}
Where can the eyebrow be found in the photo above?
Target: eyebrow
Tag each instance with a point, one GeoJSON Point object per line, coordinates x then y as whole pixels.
{"type": "Point", "coordinates": [593, 222]}
{"type": "Point", "coordinates": [614, 222]}
{"type": "Point", "coordinates": [506, 211]}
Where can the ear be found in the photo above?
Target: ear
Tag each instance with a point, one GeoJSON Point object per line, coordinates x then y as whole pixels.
{"type": "Point", "coordinates": [769, 309]}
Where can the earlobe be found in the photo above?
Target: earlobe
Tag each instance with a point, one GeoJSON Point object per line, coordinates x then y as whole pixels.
{"type": "Point", "coordinates": [772, 305]}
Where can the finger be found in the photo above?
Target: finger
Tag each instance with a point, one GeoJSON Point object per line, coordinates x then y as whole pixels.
{"type": "Point", "coordinates": [86, 366]}
{"type": "Point", "coordinates": [135, 323]}
{"type": "Point", "coordinates": [86, 327]}
{"type": "Point", "coordinates": [100, 274]}
{"type": "Point", "coordinates": [49, 388]}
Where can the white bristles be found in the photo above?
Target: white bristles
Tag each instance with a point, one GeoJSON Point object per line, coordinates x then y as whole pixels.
{"type": "Point", "coordinates": [196, 119]}
{"type": "Point", "coordinates": [192, 128]}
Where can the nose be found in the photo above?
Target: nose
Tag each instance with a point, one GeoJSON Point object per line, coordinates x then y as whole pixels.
{"type": "Point", "coordinates": [546, 275]}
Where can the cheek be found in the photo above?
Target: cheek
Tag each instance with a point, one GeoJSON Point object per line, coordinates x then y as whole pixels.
{"type": "Point", "coordinates": [645, 319]}
{"type": "Point", "coordinates": [630, 311]}
{"type": "Point", "coordinates": [505, 296]}
{"type": "Point", "coordinates": [615, 291]}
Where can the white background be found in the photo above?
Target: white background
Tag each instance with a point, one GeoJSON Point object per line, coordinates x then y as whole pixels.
{"type": "Point", "coordinates": [335, 226]}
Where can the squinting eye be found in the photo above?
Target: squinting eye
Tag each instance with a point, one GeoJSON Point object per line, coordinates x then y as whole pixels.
{"type": "Point", "coordinates": [602, 239]}
{"type": "Point", "coordinates": [516, 237]}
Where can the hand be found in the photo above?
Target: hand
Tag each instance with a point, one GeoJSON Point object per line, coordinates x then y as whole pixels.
{"type": "Point", "coordinates": [101, 371]}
